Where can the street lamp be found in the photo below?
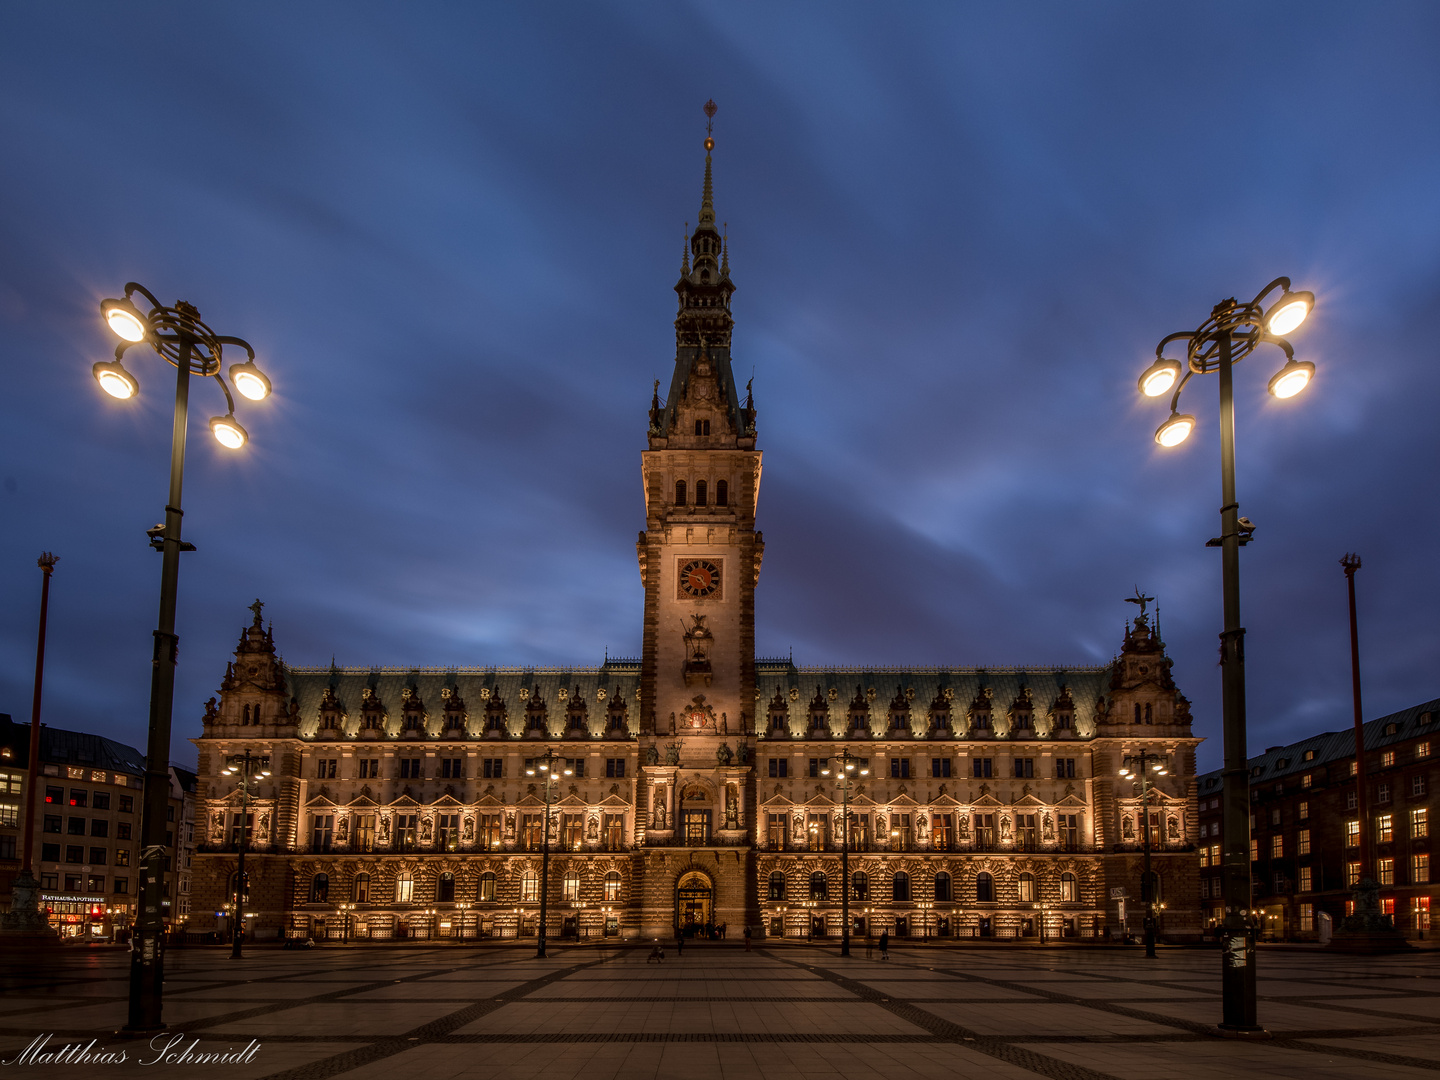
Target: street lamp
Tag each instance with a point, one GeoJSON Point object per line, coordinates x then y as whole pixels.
{"type": "Point", "coordinates": [247, 776]}
{"type": "Point", "coordinates": [1139, 767]}
{"type": "Point", "coordinates": [1232, 332]}
{"type": "Point", "coordinates": [546, 765]}
{"type": "Point", "coordinates": [849, 769]}
{"type": "Point", "coordinates": [180, 337]}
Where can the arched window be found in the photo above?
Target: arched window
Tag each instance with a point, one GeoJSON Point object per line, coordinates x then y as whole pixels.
{"type": "Point", "coordinates": [360, 891]}
{"type": "Point", "coordinates": [319, 888]}
{"type": "Point", "coordinates": [984, 888]}
{"type": "Point", "coordinates": [529, 887]}
{"type": "Point", "coordinates": [701, 491]}
{"type": "Point", "coordinates": [1067, 888]}
{"type": "Point", "coordinates": [1147, 713]}
{"type": "Point", "coordinates": [485, 892]}
{"type": "Point", "coordinates": [818, 885]}
{"type": "Point", "coordinates": [235, 884]}
{"type": "Point", "coordinates": [1137, 712]}
{"type": "Point", "coordinates": [1027, 888]}
{"type": "Point", "coordinates": [900, 886]}
{"type": "Point", "coordinates": [612, 886]}
{"type": "Point", "coordinates": [445, 889]}
{"type": "Point", "coordinates": [777, 885]}
{"type": "Point", "coordinates": [404, 889]}
{"type": "Point", "coordinates": [859, 885]}
{"type": "Point", "coordinates": [570, 886]}
{"type": "Point", "coordinates": [942, 887]}
{"type": "Point", "coordinates": [679, 492]}
{"type": "Point", "coordinates": [722, 493]}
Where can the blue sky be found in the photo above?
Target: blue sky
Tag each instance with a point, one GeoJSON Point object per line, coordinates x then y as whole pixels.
{"type": "Point", "coordinates": [957, 231]}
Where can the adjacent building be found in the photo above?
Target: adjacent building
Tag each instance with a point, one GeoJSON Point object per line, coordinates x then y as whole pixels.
{"type": "Point", "coordinates": [1305, 826]}
{"type": "Point", "coordinates": [696, 786]}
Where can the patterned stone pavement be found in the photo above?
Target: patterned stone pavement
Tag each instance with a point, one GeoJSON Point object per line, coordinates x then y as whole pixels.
{"type": "Point", "coordinates": [791, 1011]}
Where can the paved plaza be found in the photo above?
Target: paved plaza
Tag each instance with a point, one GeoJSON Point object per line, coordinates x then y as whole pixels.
{"type": "Point", "coordinates": [790, 1011]}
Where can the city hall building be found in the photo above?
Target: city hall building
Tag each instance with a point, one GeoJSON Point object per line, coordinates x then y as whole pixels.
{"type": "Point", "coordinates": [698, 786]}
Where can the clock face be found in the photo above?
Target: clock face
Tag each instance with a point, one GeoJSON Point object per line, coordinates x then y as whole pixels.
{"type": "Point", "coordinates": [699, 577]}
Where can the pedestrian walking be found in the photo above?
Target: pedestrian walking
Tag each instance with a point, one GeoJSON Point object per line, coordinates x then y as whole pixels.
{"type": "Point", "coordinates": [884, 944]}
{"type": "Point", "coordinates": [747, 937]}
{"type": "Point", "coordinates": [680, 944]}
{"type": "Point", "coordinates": [657, 954]}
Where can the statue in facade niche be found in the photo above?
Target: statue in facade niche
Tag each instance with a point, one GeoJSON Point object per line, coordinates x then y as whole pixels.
{"type": "Point", "coordinates": [724, 724]}
{"type": "Point", "coordinates": [732, 808]}
{"type": "Point", "coordinates": [343, 833]}
{"type": "Point", "coordinates": [425, 826]}
{"type": "Point", "coordinates": [724, 755]}
{"type": "Point", "coordinates": [921, 825]}
{"type": "Point", "coordinates": [660, 808]}
{"type": "Point", "coordinates": [1127, 827]}
{"type": "Point", "coordinates": [965, 827]}
{"type": "Point", "coordinates": [652, 755]}
{"type": "Point", "coordinates": [744, 754]}
{"type": "Point", "coordinates": [1172, 829]}
{"type": "Point", "coordinates": [593, 828]}
{"type": "Point", "coordinates": [385, 828]}
{"type": "Point", "coordinates": [211, 713]}
{"type": "Point", "coordinates": [1005, 828]}
{"type": "Point", "coordinates": [1048, 826]}
{"type": "Point", "coordinates": [469, 829]}
{"type": "Point", "coordinates": [672, 753]}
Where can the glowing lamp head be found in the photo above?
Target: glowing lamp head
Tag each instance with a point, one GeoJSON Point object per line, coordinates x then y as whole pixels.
{"type": "Point", "coordinates": [1292, 378]}
{"type": "Point", "coordinates": [125, 319]}
{"type": "Point", "coordinates": [250, 381]}
{"type": "Point", "coordinates": [1175, 430]}
{"type": "Point", "coordinates": [1125, 771]}
{"type": "Point", "coordinates": [1159, 377]}
{"type": "Point", "coordinates": [1288, 312]}
{"type": "Point", "coordinates": [115, 380]}
{"type": "Point", "coordinates": [864, 772]}
{"type": "Point", "coordinates": [228, 432]}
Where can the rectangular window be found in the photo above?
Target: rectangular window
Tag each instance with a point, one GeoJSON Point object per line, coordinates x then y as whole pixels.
{"type": "Point", "coordinates": [1387, 871]}
{"type": "Point", "coordinates": [1069, 826]}
{"type": "Point", "coordinates": [614, 831]}
{"type": "Point", "coordinates": [817, 832]}
{"type": "Point", "coordinates": [1382, 792]}
{"type": "Point", "coordinates": [779, 767]}
{"type": "Point", "coordinates": [73, 883]}
{"type": "Point", "coordinates": [127, 804]}
{"type": "Point", "coordinates": [1384, 829]}
{"type": "Point", "coordinates": [529, 888]}
{"type": "Point", "coordinates": [54, 795]}
{"type": "Point", "coordinates": [1254, 850]}
{"type": "Point", "coordinates": [75, 826]}
{"type": "Point", "coordinates": [447, 832]}
{"type": "Point", "coordinates": [405, 826]}
{"type": "Point", "coordinates": [122, 885]}
{"type": "Point", "coordinates": [49, 852]}
{"type": "Point", "coordinates": [52, 822]}
{"type": "Point", "coordinates": [1307, 918]}
{"type": "Point", "coordinates": [325, 768]}
{"type": "Point", "coordinates": [1025, 833]}
{"type": "Point", "coordinates": [122, 830]}
{"type": "Point", "coordinates": [1417, 785]}
{"type": "Point", "coordinates": [79, 797]}
{"type": "Point", "coordinates": [940, 766]}
{"type": "Point", "coordinates": [775, 831]}
{"type": "Point", "coordinates": [1306, 880]}
{"type": "Point", "coordinates": [1420, 823]}
{"type": "Point", "coordinates": [1352, 874]}
{"type": "Point", "coordinates": [900, 768]}
{"type": "Point", "coordinates": [530, 831]}
{"type": "Point", "coordinates": [1302, 846]}
{"type": "Point", "coordinates": [1275, 816]}
{"type": "Point", "coordinates": [1350, 768]}
{"type": "Point", "coordinates": [322, 831]}
{"type": "Point", "coordinates": [572, 831]}
{"type": "Point", "coordinates": [615, 766]}
{"type": "Point", "coordinates": [97, 856]}
{"type": "Point", "coordinates": [576, 766]}
{"type": "Point", "coordinates": [1422, 750]}
{"type": "Point", "coordinates": [1387, 759]}
{"type": "Point", "coordinates": [410, 769]}
{"type": "Point", "coordinates": [1305, 781]}
{"type": "Point", "coordinates": [1420, 911]}
{"type": "Point", "coordinates": [697, 827]}
{"type": "Point", "coordinates": [100, 800]}
{"type": "Point", "coordinates": [490, 831]}
{"type": "Point", "coordinates": [818, 765]}
{"type": "Point", "coordinates": [122, 856]}
{"type": "Point", "coordinates": [74, 853]}
{"type": "Point", "coordinates": [982, 767]}
{"type": "Point", "coordinates": [1302, 811]}
{"type": "Point", "coordinates": [859, 832]}
{"type": "Point", "coordinates": [900, 839]}
{"type": "Point", "coordinates": [452, 768]}
{"type": "Point", "coordinates": [570, 888]}
{"type": "Point", "coordinates": [364, 835]}
{"type": "Point", "coordinates": [1352, 834]}
{"type": "Point", "coordinates": [1420, 869]}
{"type": "Point", "coordinates": [1024, 766]}
{"type": "Point", "coordinates": [369, 768]}
{"type": "Point", "coordinates": [492, 768]}
{"type": "Point", "coordinates": [1064, 768]}
{"type": "Point", "coordinates": [1277, 846]}
{"type": "Point", "coordinates": [404, 890]}
{"type": "Point", "coordinates": [942, 830]}
{"type": "Point", "coordinates": [99, 827]}
{"type": "Point", "coordinates": [985, 831]}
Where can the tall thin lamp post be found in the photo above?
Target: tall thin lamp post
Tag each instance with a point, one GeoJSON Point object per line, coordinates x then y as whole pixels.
{"type": "Point", "coordinates": [847, 771]}
{"type": "Point", "coordinates": [1232, 332]}
{"type": "Point", "coordinates": [180, 337]}
{"type": "Point", "coordinates": [545, 765]}
{"type": "Point", "coordinates": [1147, 877]}
{"type": "Point", "coordinates": [1351, 563]}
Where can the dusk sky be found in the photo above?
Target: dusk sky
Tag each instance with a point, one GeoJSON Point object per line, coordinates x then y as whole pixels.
{"type": "Point", "coordinates": [957, 233]}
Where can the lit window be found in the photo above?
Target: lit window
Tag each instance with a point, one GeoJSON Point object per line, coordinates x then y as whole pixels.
{"type": "Point", "coordinates": [1027, 888]}
{"type": "Point", "coordinates": [1352, 834]}
{"type": "Point", "coordinates": [1350, 768]}
{"type": "Point", "coordinates": [612, 886]}
{"type": "Point", "coordinates": [1420, 869]}
{"type": "Point", "coordinates": [1384, 829]}
{"type": "Point", "coordinates": [1422, 750]}
{"type": "Point", "coordinates": [404, 889]}
{"type": "Point", "coordinates": [1305, 879]}
{"type": "Point", "coordinates": [1306, 780]}
{"type": "Point", "coordinates": [570, 887]}
{"type": "Point", "coordinates": [1302, 846]}
{"type": "Point", "coordinates": [486, 892]}
{"type": "Point", "coordinates": [529, 887]}
{"type": "Point", "coordinates": [1387, 759]}
{"type": "Point", "coordinates": [1254, 850]}
{"type": "Point", "coordinates": [1302, 811]}
{"type": "Point", "coordinates": [1277, 846]}
{"type": "Point", "coordinates": [1420, 912]}
{"type": "Point", "coordinates": [1387, 871]}
{"type": "Point", "coordinates": [1420, 823]}
{"type": "Point", "coordinates": [1067, 888]}
{"type": "Point", "coordinates": [1307, 918]}
{"type": "Point", "coordinates": [1352, 877]}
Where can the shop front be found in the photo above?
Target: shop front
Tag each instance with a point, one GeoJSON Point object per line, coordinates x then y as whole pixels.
{"type": "Point", "coordinates": [85, 918]}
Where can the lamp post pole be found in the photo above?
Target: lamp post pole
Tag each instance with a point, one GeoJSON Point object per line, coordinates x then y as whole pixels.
{"type": "Point", "coordinates": [1351, 563]}
{"type": "Point", "coordinates": [545, 765]}
{"type": "Point", "coordinates": [847, 767]}
{"type": "Point", "coordinates": [1148, 762]}
{"type": "Point", "coordinates": [180, 337]}
{"type": "Point", "coordinates": [237, 927]}
{"type": "Point", "coordinates": [1233, 331]}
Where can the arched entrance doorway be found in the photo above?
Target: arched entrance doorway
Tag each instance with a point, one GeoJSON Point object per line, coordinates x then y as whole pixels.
{"type": "Point", "coordinates": [694, 903]}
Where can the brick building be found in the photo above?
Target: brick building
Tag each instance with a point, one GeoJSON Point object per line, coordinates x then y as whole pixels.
{"type": "Point", "coordinates": [400, 801]}
{"type": "Point", "coordinates": [1304, 826]}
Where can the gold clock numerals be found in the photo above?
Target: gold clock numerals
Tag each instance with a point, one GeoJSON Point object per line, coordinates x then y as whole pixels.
{"type": "Point", "coordinates": [700, 578]}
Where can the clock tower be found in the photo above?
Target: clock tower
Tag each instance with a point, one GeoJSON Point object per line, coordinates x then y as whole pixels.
{"type": "Point", "coordinates": [699, 561]}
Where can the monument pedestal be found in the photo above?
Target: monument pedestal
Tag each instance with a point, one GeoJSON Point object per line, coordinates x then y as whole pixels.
{"type": "Point", "coordinates": [25, 923]}
{"type": "Point", "coordinates": [1368, 931]}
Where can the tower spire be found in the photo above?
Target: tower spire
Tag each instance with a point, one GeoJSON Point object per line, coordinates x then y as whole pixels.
{"type": "Point", "coordinates": [685, 252]}
{"type": "Point", "coordinates": [707, 197]}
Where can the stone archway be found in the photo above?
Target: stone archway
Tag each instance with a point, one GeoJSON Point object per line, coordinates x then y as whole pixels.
{"type": "Point", "coordinates": [694, 903]}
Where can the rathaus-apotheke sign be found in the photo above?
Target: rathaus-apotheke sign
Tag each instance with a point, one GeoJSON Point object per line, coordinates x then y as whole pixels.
{"type": "Point", "coordinates": [695, 788]}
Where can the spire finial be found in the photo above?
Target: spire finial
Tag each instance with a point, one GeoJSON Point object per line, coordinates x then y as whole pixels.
{"type": "Point", "coordinates": [707, 208]}
{"type": "Point", "coordinates": [685, 252]}
{"type": "Point", "coordinates": [725, 252]}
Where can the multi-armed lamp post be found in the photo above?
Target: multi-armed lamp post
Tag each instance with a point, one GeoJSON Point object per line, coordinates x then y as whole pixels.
{"type": "Point", "coordinates": [847, 770]}
{"type": "Point", "coordinates": [178, 335]}
{"type": "Point", "coordinates": [1232, 332]}
{"type": "Point", "coordinates": [248, 772]}
{"type": "Point", "coordinates": [1139, 767]}
{"type": "Point", "coordinates": [547, 766]}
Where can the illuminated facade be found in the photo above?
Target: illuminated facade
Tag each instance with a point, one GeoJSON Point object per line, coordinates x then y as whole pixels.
{"type": "Point", "coordinates": [400, 804]}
